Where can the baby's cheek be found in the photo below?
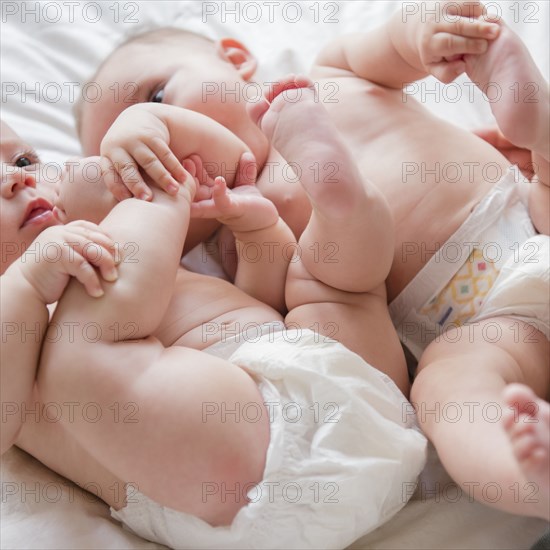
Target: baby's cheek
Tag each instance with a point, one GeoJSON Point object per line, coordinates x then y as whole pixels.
{"type": "Point", "coordinates": [69, 202]}
{"type": "Point", "coordinates": [49, 188]}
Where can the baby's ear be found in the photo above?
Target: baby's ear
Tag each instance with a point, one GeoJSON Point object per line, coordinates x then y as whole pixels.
{"type": "Point", "coordinates": [237, 54]}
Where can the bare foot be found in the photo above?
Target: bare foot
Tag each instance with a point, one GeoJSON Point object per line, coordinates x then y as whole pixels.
{"type": "Point", "coordinates": [527, 423]}
{"type": "Point", "coordinates": [517, 91]}
{"type": "Point", "coordinates": [300, 128]}
{"type": "Point", "coordinates": [349, 216]}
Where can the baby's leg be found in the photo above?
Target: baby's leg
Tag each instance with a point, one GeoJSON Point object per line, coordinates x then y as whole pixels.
{"type": "Point", "coordinates": [43, 436]}
{"type": "Point", "coordinates": [348, 242]}
{"type": "Point", "coordinates": [521, 109]}
{"type": "Point", "coordinates": [458, 394]}
{"type": "Point", "coordinates": [527, 423]}
{"type": "Point", "coordinates": [157, 417]}
{"type": "Point", "coordinates": [335, 283]}
{"type": "Point", "coordinates": [508, 73]}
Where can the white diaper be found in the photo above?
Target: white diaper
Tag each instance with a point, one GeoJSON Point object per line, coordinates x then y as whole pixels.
{"type": "Point", "coordinates": [495, 264]}
{"type": "Point", "coordinates": [343, 457]}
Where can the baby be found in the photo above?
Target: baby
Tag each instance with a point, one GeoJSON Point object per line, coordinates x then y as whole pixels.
{"type": "Point", "coordinates": [183, 456]}
{"type": "Point", "coordinates": [27, 217]}
{"type": "Point", "coordinates": [463, 309]}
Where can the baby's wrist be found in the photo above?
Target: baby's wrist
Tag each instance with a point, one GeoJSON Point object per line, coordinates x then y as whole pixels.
{"type": "Point", "coordinates": [405, 34]}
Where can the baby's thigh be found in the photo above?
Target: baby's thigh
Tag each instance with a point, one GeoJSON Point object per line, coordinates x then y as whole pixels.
{"type": "Point", "coordinates": [189, 408]}
{"type": "Point", "coordinates": [168, 420]}
{"type": "Point", "coordinates": [482, 358]}
{"type": "Point", "coordinates": [359, 321]}
{"type": "Point", "coordinates": [43, 436]}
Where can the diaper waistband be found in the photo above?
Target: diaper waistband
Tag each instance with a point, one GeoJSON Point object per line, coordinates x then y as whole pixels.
{"type": "Point", "coordinates": [433, 277]}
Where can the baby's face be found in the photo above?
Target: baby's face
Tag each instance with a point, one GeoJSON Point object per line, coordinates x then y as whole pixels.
{"type": "Point", "coordinates": [206, 79]}
{"type": "Point", "coordinates": [27, 197]}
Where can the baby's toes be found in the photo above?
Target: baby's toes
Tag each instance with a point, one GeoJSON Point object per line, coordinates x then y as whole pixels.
{"type": "Point", "coordinates": [525, 445]}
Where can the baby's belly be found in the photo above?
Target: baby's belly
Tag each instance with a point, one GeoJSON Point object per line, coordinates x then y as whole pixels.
{"type": "Point", "coordinates": [432, 173]}
{"type": "Point", "coordinates": [206, 310]}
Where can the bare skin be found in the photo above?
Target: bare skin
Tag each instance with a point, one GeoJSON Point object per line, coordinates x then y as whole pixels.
{"type": "Point", "coordinates": [382, 131]}
{"type": "Point", "coordinates": [522, 113]}
{"type": "Point", "coordinates": [449, 373]}
{"type": "Point", "coordinates": [464, 371]}
{"type": "Point", "coordinates": [31, 281]}
{"type": "Point", "coordinates": [390, 138]}
{"type": "Point", "coordinates": [527, 424]}
{"type": "Point", "coordinates": [112, 454]}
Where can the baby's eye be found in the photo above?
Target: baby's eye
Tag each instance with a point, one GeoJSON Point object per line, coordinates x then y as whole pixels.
{"type": "Point", "coordinates": [26, 159]}
{"type": "Point", "coordinates": [23, 162]}
{"type": "Point", "coordinates": [157, 96]}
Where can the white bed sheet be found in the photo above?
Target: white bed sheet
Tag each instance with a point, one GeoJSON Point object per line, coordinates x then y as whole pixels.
{"type": "Point", "coordinates": [43, 510]}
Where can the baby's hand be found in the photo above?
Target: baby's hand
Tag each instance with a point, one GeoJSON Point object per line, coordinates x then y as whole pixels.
{"type": "Point", "coordinates": [457, 30]}
{"type": "Point", "coordinates": [242, 208]}
{"type": "Point", "coordinates": [515, 155]}
{"type": "Point", "coordinates": [65, 251]}
{"type": "Point", "coordinates": [139, 139]}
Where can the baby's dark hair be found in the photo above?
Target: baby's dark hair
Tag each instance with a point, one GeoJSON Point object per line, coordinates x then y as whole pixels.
{"type": "Point", "coordinates": [150, 36]}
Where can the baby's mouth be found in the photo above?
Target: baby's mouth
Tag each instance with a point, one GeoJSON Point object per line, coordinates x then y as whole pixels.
{"type": "Point", "coordinates": [38, 211]}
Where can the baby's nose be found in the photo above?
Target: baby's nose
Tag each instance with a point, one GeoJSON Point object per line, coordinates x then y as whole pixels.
{"type": "Point", "coordinates": [14, 179]}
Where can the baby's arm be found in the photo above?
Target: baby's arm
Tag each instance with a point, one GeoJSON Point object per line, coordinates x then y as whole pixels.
{"type": "Point", "coordinates": [27, 286]}
{"type": "Point", "coordinates": [264, 242]}
{"type": "Point", "coordinates": [156, 138]}
{"type": "Point", "coordinates": [531, 164]}
{"type": "Point", "coordinates": [418, 40]}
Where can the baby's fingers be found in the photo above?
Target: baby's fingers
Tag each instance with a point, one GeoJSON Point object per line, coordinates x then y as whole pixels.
{"type": "Point", "coordinates": [91, 243]}
{"type": "Point", "coordinates": [83, 271]}
{"type": "Point", "coordinates": [200, 171]}
{"type": "Point", "coordinates": [471, 9]}
{"type": "Point", "coordinates": [216, 206]}
{"type": "Point", "coordinates": [101, 258]}
{"type": "Point", "coordinates": [469, 28]}
{"type": "Point", "coordinates": [112, 180]}
{"type": "Point", "coordinates": [446, 71]}
{"type": "Point", "coordinates": [127, 169]}
{"type": "Point", "coordinates": [247, 172]}
{"type": "Point", "coordinates": [444, 44]}
{"type": "Point", "coordinates": [92, 232]}
{"type": "Point", "coordinates": [163, 166]}
{"type": "Point", "coordinates": [204, 192]}
{"type": "Point", "coordinates": [190, 166]}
